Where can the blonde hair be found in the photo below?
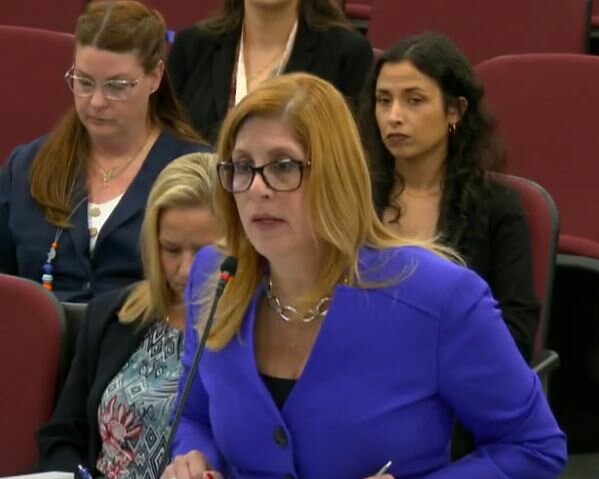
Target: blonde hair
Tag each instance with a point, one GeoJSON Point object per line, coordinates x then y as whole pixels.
{"type": "Point", "coordinates": [186, 182]}
{"type": "Point", "coordinates": [338, 189]}
{"type": "Point", "coordinates": [120, 26]}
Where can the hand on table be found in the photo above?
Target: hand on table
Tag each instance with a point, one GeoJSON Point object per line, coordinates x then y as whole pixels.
{"type": "Point", "coordinates": [192, 465]}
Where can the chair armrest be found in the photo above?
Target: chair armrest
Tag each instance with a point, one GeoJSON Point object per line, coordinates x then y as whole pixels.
{"type": "Point", "coordinates": [577, 246]}
{"type": "Point", "coordinates": [545, 362]}
{"type": "Point", "coordinates": [75, 315]}
{"type": "Point", "coordinates": [579, 262]}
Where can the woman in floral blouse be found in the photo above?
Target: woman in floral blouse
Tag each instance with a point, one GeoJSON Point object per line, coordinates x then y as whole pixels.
{"type": "Point", "coordinates": [113, 414]}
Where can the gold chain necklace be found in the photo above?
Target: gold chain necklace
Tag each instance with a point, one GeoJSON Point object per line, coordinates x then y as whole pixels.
{"type": "Point", "coordinates": [109, 174]}
{"type": "Point", "coordinates": [278, 54]}
{"type": "Point", "coordinates": [290, 313]}
{"type": "Point", "coordinates": [251, 78]}
{"type": "Point", "coordinates": [428, 194]}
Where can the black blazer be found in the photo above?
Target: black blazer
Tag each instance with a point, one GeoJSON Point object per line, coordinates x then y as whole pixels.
{"type": "Point", "coordinates": [103, 347]}
{"type": "Point", "coordinates": [498, 248]}
{"type": "Point", "coordinates": [201, 67]}
{"type": "Point", "coordinates": [26, 236]}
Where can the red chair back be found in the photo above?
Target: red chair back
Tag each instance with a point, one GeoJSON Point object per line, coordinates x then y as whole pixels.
{"type": "Point", "coordinates": [59, 15]}
{"type": "Point", "coordinates": [31, 362]}
{"type": "Point", "coordinates": [485, 29]}
{"type": "Point", "coordinates": [33, 95]}
{"type": "Point", "coordinates": [358, 9]}
{"type": "Point", "coordinates": [546, 108]}
{"type": "Point", "coordinates": [543, 222]}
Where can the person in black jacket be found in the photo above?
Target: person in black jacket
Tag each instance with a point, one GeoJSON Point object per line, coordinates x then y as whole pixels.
{"type": "Point", "coordinates": [432, 142]}
{"type": "Point", "coordinates": [214, 64]}
{"type": "Point", "coordinates": [113, 413]}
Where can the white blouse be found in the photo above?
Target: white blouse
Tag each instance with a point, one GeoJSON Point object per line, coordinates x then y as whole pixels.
{"type": "Point", "coordinates": [97, 214]}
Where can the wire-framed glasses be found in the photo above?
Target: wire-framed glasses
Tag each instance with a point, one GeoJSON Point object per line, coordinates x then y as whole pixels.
{"type": "Point", "coordinates": [115, 89]}
{"type": "Point", "coordinates": [283, 174]}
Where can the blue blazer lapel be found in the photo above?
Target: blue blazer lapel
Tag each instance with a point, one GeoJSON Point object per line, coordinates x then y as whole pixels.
{"type": "Point", "coordinates": [79, 233]}
{"type": "Point", "coordinates": [134, 199]}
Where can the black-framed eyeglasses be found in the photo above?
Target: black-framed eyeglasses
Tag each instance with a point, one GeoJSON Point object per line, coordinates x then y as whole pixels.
{"type": "Point", "coordinates": [84, 87]}
{"type": "Point", "coordinates": [284, 174]}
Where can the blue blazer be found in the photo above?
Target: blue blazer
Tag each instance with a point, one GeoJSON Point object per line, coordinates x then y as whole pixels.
{"type": "Point", "coordinates": [391, 370]}
{"type": "Point", "coordinates": [26, 236]}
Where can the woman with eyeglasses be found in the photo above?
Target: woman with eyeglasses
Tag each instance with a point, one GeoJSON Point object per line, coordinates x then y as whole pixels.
{"type": "Point", "coordinates": [341, 350]}
{"type": "Point", "coordinates": [215, 63]}
{"type": "Point", "coordinates": [71, 202]}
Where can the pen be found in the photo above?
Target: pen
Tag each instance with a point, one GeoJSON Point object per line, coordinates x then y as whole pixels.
{"type": "Point", "coordinates": [84, 472]}
{"type": "Point", "coordinates": [384, 469]}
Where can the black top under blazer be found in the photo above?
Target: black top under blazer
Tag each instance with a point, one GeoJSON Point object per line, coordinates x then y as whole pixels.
{"type": "Point", "coordinates": [26, 236]}
{"type": "Point", "coordinates": [201, 66]}
{"type": "Point", "coordinates": [104, 346]}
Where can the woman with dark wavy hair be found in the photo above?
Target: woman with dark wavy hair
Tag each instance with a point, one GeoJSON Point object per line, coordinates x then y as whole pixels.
{"type": "Point", "coordinates": [432, 141]}
{"type": "Point", "coordinates": [216, 63]}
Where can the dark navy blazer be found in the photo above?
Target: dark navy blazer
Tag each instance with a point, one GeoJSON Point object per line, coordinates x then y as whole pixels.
{"type": "Point", "coordinates": [26, 236]}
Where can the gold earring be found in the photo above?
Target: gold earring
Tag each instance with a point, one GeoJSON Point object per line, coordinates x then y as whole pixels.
{"type": "Point", "coordinates": [452, 128]}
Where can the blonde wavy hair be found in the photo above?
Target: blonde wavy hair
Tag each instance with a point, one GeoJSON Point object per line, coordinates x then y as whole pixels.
{"type": "Point", "coordinates": [339, 193]}
{"type": "Point", "coordinates": [186, 182]}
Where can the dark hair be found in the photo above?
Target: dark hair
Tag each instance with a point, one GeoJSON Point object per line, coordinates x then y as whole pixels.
{"type": "Point", "coordinates": [318, 14]}
{"type": "Point", "coordinates": [472, 149]}
{"type": "Point", "coordinates": [121, 26]}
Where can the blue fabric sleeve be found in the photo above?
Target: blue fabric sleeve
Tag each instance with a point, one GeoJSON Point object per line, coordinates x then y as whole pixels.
{"type": "Point", "coordinates": [195, 432]}
{"type": "Point", "coordinates": [495, 394]}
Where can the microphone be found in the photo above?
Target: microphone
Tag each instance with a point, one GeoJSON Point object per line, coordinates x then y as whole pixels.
{"type": "Point", "coordinates": [228, 268]}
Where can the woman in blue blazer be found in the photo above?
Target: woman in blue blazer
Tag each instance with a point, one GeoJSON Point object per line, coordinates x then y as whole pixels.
{"type": "Point", "coordinates": [340, 347]}
{"type": "Point", "coordinates": [71, 203]}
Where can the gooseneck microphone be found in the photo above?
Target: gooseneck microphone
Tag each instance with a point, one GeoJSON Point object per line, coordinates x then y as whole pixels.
{"type": "Point", "coordinates": [228, 268]}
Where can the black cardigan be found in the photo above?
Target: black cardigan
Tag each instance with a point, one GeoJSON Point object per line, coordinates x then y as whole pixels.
{"type": "Point", "coordinates": [498, 248]}
{"type": "Point", "coordinates": [201, 66]}
{"type": "Point", "coordinates": [103, 347]}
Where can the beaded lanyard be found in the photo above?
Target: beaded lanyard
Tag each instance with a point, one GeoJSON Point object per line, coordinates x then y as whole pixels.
{"type": "Point", "coordinates": [48, 268]}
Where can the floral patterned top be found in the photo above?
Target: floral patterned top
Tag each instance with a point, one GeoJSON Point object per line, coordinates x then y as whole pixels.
{"type": "Point", "coordinates": [136, 407]}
